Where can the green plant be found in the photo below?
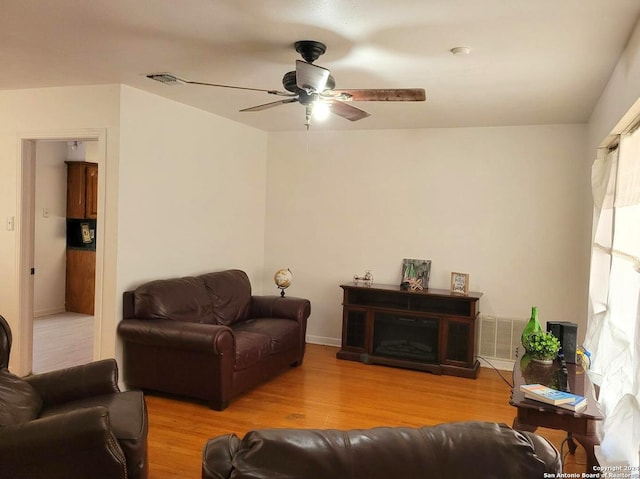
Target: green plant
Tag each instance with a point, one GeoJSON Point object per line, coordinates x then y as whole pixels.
{"type": "Point", "coordinates": [541, 345]}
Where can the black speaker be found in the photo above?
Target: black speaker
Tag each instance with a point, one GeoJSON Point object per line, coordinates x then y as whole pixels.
{"type": "Point", "coordinates": [567, 333]}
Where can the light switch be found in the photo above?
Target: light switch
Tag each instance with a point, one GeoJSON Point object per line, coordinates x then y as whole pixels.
{"type": "Point", "coordinates": [45, 212]}
{"type": "Point", "coordinates": [11, 223]}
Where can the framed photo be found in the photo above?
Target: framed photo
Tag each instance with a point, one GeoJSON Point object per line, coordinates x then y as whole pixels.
{"type": "Point", "coordinates": [460, 283]}
{"type": "Point", "coordinates": [416, 270]}
{"type": "Point", "coordinates": [86, 233]}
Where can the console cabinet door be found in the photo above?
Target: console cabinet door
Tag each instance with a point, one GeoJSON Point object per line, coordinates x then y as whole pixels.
{"type": "Point", "coordinates": [355, 329]}
{"type": "Point", "coordinates": [458, 338]}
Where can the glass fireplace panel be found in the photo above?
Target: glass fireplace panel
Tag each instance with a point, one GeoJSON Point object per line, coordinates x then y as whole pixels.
{"type": "Point", "coordinates": [405, 337]}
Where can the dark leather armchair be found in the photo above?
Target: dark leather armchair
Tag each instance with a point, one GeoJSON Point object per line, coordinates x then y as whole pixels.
{"type": "Point", "coordinates": [70, 423]}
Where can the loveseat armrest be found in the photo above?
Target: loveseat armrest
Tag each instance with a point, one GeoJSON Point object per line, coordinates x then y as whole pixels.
{"type": "Point", "coordinates": [77, 382]}
{"type": "Point", "coordinates": [297, 309]}
{"type": "Point", "coordinates": [78, 443]}
{"type": "Point", "coordinates": [217, 456]}
{"type": "Point", "coordinates": [178, 334]}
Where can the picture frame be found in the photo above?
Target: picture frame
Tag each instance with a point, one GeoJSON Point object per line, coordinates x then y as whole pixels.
{"type": "Point", "coordinates": [459, 283]}
{"type": "Point", "coordinates": [86, 232]}
{"type": "Point", "coordinates": [416, 270]}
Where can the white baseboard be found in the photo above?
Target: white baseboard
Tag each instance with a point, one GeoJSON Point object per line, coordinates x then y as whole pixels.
{"type": "Point", "coordinates": [47, 312]}
{"type": "Point", "coordinates": [324, 341]}
{"type": "Point", "coordinates": [501, 364]}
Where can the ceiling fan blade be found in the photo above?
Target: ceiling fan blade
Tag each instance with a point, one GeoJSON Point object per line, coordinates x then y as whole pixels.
{"type": "Point", "coordinates": [271, 105]}
{"type": "Point", "coordinates": [401, 94]}
{"type": "Point", "coordinates": [270, 92]}
{"type": "Point", "coordinates": [347, 111]}
{"type": "Point", "coordinates": [311, 78]}
{"type": "Point", "coordinates": [171, 79]}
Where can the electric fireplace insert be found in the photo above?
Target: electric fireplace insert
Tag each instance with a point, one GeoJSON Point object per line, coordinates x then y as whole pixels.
{"type": "Point", "coordinates": [406, 337]}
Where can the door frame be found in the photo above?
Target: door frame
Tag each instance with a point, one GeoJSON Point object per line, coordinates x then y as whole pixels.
{"type": "Point", "coordinates": [26, 234]}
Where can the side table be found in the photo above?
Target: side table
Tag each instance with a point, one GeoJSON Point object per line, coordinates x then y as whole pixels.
{"type": "Point", "coordinates": [532, 414]}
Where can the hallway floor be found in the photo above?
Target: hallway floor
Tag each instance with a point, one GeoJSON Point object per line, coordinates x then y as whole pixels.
{"type": "Point", "coordinates": [62, 340]}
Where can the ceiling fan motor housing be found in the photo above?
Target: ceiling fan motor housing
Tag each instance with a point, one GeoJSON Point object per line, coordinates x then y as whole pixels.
{"type": "Point", "coordinates": [310, 50]}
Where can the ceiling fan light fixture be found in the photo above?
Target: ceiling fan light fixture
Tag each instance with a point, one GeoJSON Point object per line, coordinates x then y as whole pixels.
{"type": "Point", "coordinates": [321, 111]}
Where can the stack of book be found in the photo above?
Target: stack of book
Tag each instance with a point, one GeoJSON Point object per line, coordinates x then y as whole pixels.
{"type": "Point", "coordinates": [547, 395]}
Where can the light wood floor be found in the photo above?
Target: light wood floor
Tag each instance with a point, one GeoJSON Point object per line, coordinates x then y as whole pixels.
{"type": "Point", "coordinates": [62, 340]}
{"type": "Point", "coordinates": [329, 393]}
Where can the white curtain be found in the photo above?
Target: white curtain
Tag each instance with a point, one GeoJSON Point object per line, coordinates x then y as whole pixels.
{"type": "Point", "coordinates": [613, 331]}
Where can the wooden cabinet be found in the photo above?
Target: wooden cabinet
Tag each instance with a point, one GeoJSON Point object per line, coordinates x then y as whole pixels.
{"type": "Point", "coordinates": [82, 190]}
{"type": "Point", "coordinates": [81, 281]}
{"type": "Point", "coordinates": [82, 204]}
{"type": "Point", "coordinates": [430, 330]}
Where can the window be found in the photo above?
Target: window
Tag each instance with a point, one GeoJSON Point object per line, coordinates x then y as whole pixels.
{"type": "Point", "coordinates": [613, 331]}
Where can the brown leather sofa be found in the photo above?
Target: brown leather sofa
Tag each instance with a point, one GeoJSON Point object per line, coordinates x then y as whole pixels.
{"type": "Point", "coordinates": [461, 450]}
{"type": "Point", "coordinates": [70, 423]}
{"type": "Point", "coordinates": [207, 337]}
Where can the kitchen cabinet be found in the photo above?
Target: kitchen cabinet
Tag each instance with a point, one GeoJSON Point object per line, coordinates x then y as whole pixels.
{"type": "Point", "coordinates": [82, 190]}
{"type": "Point", "coordinates": [82, 211]}
{"type": "Point", "coordinates": [81, 281]}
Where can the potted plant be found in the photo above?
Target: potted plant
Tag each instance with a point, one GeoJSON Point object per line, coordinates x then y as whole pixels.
{"type": "Point", "coordinates": [542, 346]}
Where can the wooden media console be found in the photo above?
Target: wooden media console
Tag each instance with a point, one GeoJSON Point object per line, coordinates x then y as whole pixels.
{"type": "Point", "coordinates": [430, 330]}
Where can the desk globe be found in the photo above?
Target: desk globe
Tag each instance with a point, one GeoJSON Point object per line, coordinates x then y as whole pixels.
{"type": "Point", "coordinates": [283, 279]}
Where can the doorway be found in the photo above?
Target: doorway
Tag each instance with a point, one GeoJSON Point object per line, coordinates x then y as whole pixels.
{"type": "Point", "coordinates": [42, 248]}
{"type": "Point", "coordinates": [64, 266]}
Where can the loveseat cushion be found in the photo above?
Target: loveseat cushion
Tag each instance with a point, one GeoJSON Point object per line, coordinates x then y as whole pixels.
{"type": "Point", "coordinates": [251, 348]}
{"type": "Point", "coordinates": [283, 334]}
{"type": "Point", "coordinates": [19, 401]}
{"type": "Point", "coordinates": [230, 295]}
{"type": "Point", "coordinates": [180, 299]}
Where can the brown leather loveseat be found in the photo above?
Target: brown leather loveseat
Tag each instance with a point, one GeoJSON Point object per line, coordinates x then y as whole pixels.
{"type": "Point", "coordinates": [207, 337]}
{"type": "Point", "coordinates": [461, 450]}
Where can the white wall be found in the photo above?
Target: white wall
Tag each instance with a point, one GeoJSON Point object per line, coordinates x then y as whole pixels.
{"type": "Point", "coordinates": [506, 205]}
{"type": "Point", "coordinates": [191, 192]}
{"type": "Point", "coordinates": [50, 230]}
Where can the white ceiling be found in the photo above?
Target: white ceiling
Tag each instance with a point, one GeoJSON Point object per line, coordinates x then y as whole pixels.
{"type": "Point", "coordinates": [531, 61]}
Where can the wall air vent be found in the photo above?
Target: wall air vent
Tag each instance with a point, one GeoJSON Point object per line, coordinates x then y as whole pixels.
{"type": "Point", "coordinates": [498, 338]}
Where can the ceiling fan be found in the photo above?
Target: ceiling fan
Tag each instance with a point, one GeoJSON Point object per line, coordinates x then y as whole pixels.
{"type": "Point", "coordinates": [313, 87]}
